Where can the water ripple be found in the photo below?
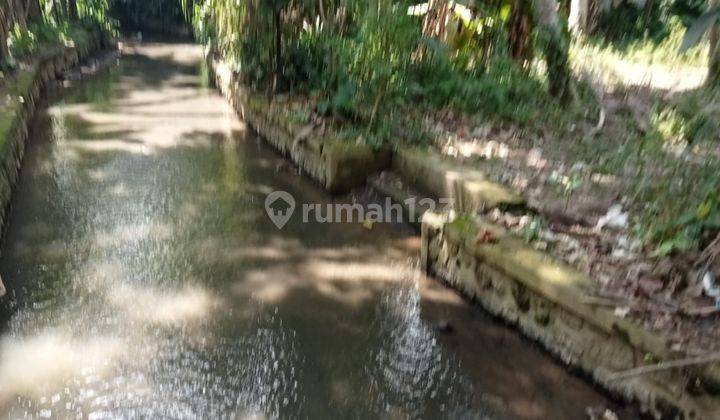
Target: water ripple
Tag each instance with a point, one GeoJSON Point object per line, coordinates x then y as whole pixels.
{"type": "Point", "coordinates": [410, 374]}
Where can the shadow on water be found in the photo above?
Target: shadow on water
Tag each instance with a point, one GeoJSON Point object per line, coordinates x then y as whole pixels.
{"type": "Point", "coordinates": [146, 280]}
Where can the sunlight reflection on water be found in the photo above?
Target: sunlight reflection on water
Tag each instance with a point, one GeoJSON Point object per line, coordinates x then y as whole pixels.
{"type": "Point", "coordinates": [410, 373]}
{"type": "Point", "coordinates": [131, 301]}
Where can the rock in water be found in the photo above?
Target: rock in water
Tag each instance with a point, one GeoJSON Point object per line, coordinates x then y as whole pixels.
{"type": "Point", "coordinates": [600, 413]}
{"type": "Point", "coordinates": [444, 327]}
{"type": "Point", "coordinates": [2, 288]}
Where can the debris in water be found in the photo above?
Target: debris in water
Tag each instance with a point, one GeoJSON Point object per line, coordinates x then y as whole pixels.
{"type": "Point", "coordinates": [2, 288]}
{"type": "Point", "coordinates": [600, 413]}
{"type": "Point", "coordinates": [444, 327]}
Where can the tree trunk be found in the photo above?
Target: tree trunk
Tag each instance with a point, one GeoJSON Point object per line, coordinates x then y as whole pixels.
{"type": "Point", "coordinates": [555, 48]}
{"type": "Point", "coordinates": [58, 9]}
{"type": "Point", "coordinates": [4, 30]}
{"type": "Point", "coordinates": [4, 51]}
{"type": "Point", "coordinates": [33, 10]}
{"type": "Point", "coordinates": [713, 78]}
{"type": "Point", "coordinates": [72, 9]}
{"type": "Point", "coordinates": [519, 28]}
{"type": "Point", "coordinates": [579, 14]}
{"type": "Point", "coordinates": [436, 19]}
{"type": "Point", "coordinates": [278, 50]}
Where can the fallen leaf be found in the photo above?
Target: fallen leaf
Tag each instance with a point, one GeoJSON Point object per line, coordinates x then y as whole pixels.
{"type": "Point", "coordinates": [484, 236]}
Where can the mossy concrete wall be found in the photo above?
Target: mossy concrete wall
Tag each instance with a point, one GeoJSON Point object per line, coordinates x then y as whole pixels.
{"type": "Point", "coordinates": [469, 189]}
{"type": "Point", "coordinates": [548, 301]}
{"type": "Point", "coordinates": [20, 99]}
{"type": "Point", "coordinates": [337, 165]}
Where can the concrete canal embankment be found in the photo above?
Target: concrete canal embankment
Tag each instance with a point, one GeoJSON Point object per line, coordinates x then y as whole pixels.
{"type": "Point", "coordinates": [21, 95]}
{"type": "Point", "coordinates": [544, 298]}
{"type": "Point", "coordinates": [336, 165]}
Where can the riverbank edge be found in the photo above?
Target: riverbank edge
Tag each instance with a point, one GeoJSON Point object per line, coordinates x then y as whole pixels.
{"type": "Point", "coordinates": [19, 106]}
{"type": "Point", "coordinates": [550, 303]}
{"type": "Point", "coordinates": [544, 298]}
{"type": "Point", "coordinates": [337, 165]}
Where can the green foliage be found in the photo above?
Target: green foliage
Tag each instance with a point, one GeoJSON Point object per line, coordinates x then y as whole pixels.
{"type": "Point", "coordinates": [504, 91]}
{"type": "Point", "coordinates": [567, 184]}
{"type": "Point", "coordinates": [57, 25]}
{"type": "Point", "coordinates": [678, 158]}
{"type": "Point", "coordinates": [25, 41]}
{"type": "Point", "coordinates": [691, 119]}
{"type": "Point", "coordinates": [364, 62]}
{"type": "Point", "coordinates": [554, 45]}
{"type": "Point", "coordinates": [200, 15]}
{"type": "Point", "coordinates": [643, 51]}
{"type": "Point", "coordinates": [532, 231]}
{"type": "Point", "coordinates": [147, 14]}
{"type": "Point", "coordinates": [626, 23]}
{"type": "Point", "coordinates": [655, 32]}
{"type": "Point", "coordinates": [690, 223]}
{"type": "Point", "coordinates": [21, 42]}
{"type": "Point", "coordinates": [381, 59]}
{"type": "Point", "coordinates": [96, 11]}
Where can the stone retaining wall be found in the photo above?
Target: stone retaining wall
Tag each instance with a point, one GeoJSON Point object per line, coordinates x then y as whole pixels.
{"type": "Point", "coordinates": [547, 300]}
{"type": "Point", "coordinates": [17, 109]}
{"type": "Point", "coordinates": [337, 165]}
{"type": "Point", "coordinates": [468, 189]}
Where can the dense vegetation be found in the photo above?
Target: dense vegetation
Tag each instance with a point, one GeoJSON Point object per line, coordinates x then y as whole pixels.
{"type": "Point", "coordinates": [27, 26]}
{"type": "Point", "coordinates": [154, 15]}
{"type": "Point", "coordinates": [379, 70]}
{"type": "Point", "coordinates": [363, 59]}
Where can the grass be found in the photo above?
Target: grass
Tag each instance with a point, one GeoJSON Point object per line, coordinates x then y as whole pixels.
{"type": "Point", "coordinates": [24, 43]}
{"type": "Point", "coordinates": [646, 51]}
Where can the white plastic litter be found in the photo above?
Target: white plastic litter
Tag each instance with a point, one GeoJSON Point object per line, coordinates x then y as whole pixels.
{"type": "Point", "coordinates": [615, 218]}
{"type": "Point", "coordinates": [710, 285]}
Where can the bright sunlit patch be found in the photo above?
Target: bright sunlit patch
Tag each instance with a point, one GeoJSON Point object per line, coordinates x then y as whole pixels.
{"type": "Point", "coordinates": [188, 304]}
{"type": "Point", "coordinates": [125, 234]}
{"type": "Point", "coordinates": [32, 367]}
{"type": "Point", "coordinates": [146, 304]}
{"type": "Point", "coordinates": [352, 271]}
{"type": "Point", "coordinates": [270, 285]}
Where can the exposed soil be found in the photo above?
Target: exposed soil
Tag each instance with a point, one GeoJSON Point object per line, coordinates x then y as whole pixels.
{"type": "Point", "coordinates": [584, 217]}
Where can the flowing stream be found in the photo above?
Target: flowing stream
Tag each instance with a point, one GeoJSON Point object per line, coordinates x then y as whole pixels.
{"type": "Point", "coordinates": [146, 281]}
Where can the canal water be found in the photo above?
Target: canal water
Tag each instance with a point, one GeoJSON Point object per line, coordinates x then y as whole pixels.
{"type": "Point", "coordinates": [146, 281]}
